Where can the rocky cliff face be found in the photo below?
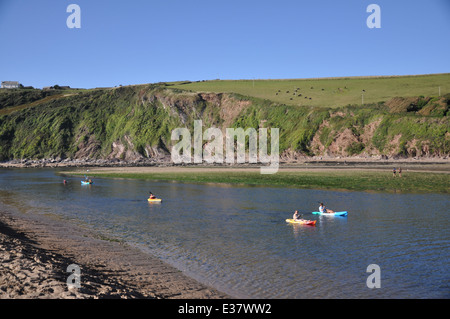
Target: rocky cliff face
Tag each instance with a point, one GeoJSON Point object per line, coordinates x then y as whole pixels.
{"type": "Point", "coordinates": [135, 123]}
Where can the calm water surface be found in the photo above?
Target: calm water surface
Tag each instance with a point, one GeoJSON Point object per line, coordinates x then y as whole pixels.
{"type": "Point", "coordinates": [236, 238]}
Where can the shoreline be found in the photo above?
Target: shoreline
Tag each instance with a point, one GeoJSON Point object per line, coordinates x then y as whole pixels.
{"type": "Point", "coordinates": [36, 250]}
{"type": "Point", "coordinates": [304, 162]}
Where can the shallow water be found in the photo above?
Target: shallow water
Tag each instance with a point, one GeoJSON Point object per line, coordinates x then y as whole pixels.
{"type": "Point", "coordinates": [236, 239]}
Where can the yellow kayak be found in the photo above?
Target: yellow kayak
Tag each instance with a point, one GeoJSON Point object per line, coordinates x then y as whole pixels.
{"type": "Point", "coordinates": [152, 200]}
{"type": "Point", "coordinates": [302, 222]}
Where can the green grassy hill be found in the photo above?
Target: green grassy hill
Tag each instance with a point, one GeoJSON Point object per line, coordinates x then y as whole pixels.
{"type": "Point", "coordinates": [328, 92]}
{"type": "Point", "coordinates": [401, 116]}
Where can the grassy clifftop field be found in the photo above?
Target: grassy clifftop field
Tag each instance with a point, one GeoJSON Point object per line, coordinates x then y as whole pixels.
{"type": "Point", "coordinates": [328, 92]}
{"type": "Point", "coordinates": [401, 116]}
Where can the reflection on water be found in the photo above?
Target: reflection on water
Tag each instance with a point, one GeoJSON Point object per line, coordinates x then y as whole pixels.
{"type": "Point", "coordinates": [236, 238]}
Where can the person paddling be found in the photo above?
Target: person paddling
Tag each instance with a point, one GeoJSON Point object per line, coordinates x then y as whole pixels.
{"type": "Point", "coordinates": [325, 210]}
{"type": "Point", "coordinates": [152, 196]}
{"type": "Point", "coordinates": [296, 215]}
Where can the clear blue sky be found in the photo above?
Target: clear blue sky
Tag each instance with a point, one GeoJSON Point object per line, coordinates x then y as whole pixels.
{"type": "Point", "coordinates": [134, 42]}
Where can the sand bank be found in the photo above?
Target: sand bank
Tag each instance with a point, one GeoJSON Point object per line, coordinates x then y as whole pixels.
{"type": "Point", "coordinates": [35, 252]}
{"type": "Point", "coordinates": [440, 167]}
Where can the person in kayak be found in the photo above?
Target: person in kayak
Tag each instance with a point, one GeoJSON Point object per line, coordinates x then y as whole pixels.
{"type": "Point", "coordinates": [296, 216]}
{"type": "Point", "coordinates": [152, 196]}
{"type": "Point", "coordinates": [325, 210]}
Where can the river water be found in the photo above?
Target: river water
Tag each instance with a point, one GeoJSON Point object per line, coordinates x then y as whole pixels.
{"type": "Point", "coordinates": [236, 239]}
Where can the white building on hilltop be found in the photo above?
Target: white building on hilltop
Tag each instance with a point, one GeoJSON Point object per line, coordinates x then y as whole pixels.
{"type": "Point", "coordinates": [10, 84]}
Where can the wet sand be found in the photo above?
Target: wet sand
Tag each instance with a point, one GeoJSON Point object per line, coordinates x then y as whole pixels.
{"type": "Point", "coordinates": [35, 252]}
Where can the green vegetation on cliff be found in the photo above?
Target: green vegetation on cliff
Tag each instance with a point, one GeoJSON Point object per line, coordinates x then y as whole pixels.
{"type": "Point", "coordinates": [403, 118]}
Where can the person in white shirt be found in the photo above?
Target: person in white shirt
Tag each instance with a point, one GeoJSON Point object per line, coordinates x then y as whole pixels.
{"type": "Point", "coordinates": [297, 216]}
{"type": "Point", "coordinates": [325, 210]}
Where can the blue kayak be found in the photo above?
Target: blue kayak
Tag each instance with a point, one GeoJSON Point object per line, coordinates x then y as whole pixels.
{"type": "Point", "coordinates": [86, 183]}
{"type": "Point", "coordinates": [332, 214]}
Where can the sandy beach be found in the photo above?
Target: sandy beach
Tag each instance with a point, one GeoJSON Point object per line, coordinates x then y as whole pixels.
{"type": "Point", "coordinates": [35, 252]}
{"type": "Point", "coordinates": [420, 166]}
